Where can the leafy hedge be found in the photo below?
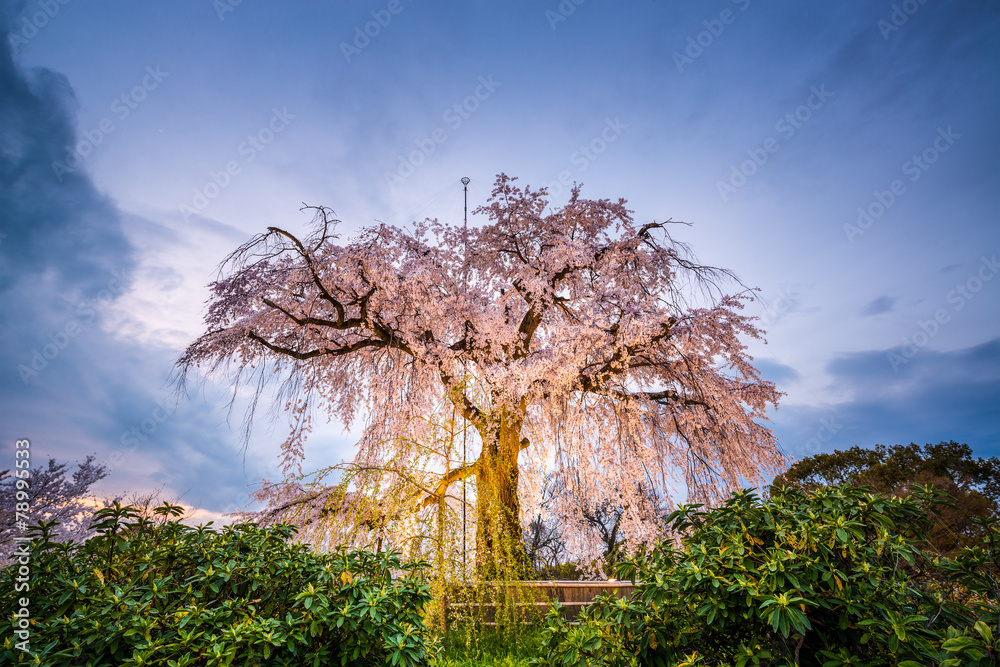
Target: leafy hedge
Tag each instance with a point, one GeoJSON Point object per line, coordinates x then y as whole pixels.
{"type": "Point", "coordinates": [833, 577]}
{"type": "Point", "coordinates": [178, 596]}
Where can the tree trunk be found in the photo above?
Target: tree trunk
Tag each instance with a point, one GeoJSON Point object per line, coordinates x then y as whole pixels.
{"type": "Point", "coordinates": [499, 551]}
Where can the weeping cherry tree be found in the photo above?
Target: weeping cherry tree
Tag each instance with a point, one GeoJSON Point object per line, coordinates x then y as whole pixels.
{"type": "Point", "coordinates": [570, 340]}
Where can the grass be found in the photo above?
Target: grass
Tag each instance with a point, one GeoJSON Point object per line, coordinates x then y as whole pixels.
{"type": "Point", "coordinates": [470, 647]}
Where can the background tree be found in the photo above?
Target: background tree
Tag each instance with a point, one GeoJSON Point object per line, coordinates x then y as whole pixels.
{"type": "Point", "coordinates": [572, 338]}
{"type": "Point", "coordinates": [973, 483]}
{"type": "Point", "coordinates": [52, 496]}
{"type": "Point", "coordinates": [603, 521]}
{"type": "Point", "coordinates": [546, 548]}
{"type": "Point", "coordinates": [605, 518]}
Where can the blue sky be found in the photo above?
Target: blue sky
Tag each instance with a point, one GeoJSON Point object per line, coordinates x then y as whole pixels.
{"type": "Point", "coordinates": [842, 157]}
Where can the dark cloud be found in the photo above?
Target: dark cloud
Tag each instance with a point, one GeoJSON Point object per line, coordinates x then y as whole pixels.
{"type": "Point", "coordinates": [55, 223]}
{"type": "Point", "coordinates": [935, 397]}
{"type": "Point", "coordinates": [66, 382]}
{"type": "Point", "coordinates": [873, 374]}
{"type": "Point", "coordinates": [64, 246]}
{"type": "Point", "coordinates": [883, 304]}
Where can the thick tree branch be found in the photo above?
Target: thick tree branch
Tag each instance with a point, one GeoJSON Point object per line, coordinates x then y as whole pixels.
{"type": "Point", "coordinates": [307, 256]}
{"type": "Point", "coordinates": [341, 324]}
{"type": "Point", "coordinates": [616, 364]}
{"type": "Point", "coordinates": [454, 475]}
{"type": "Point", "coordinates": [302, 356]}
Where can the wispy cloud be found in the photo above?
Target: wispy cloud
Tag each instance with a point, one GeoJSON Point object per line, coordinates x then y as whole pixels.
{"type": "Point", "coordinates": [883, 304]}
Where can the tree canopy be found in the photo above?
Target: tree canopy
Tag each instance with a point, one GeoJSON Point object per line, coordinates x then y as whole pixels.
{"type": "Point", "coordinates": [570, 339]}
{"type": "Point", "coordinates": [973, 483]}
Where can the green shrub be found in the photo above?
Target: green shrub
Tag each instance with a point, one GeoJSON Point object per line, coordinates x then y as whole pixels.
{"type": "Point", "coordinates": [178, 596]}
{"type": "Point", "coordinates": [832, 577]}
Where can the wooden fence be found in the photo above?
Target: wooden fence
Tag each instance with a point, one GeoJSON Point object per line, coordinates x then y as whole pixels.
{"type": "Point", "coordinates": [527, 600]}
